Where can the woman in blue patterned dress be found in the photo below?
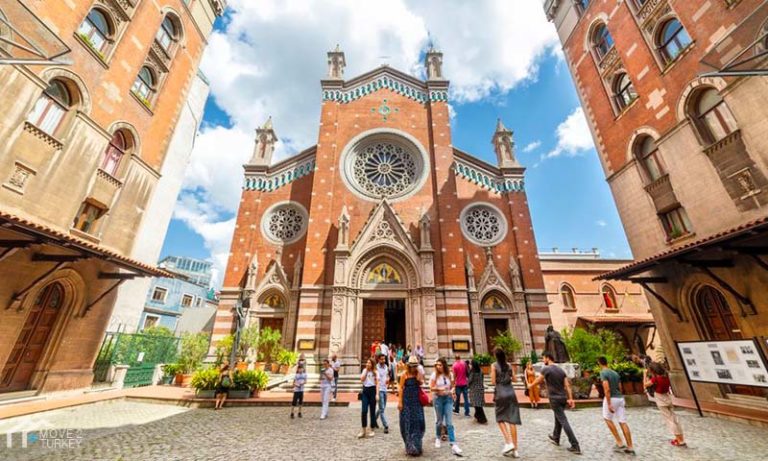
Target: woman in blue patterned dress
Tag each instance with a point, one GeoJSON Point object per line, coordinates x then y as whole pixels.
{"type": "Point", "coordinates": [412, 423]}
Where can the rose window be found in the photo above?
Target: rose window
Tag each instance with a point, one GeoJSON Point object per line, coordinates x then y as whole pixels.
{"type": "Point", "coordinates": [483, 224]}
{"type": "Point", "coordinates": [284, 223]}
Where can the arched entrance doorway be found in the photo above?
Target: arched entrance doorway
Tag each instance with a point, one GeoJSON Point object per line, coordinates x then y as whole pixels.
{"type": "Point", "coordinates": [31, 342]}
{"type": "Point", "coordinates": [718, 324]}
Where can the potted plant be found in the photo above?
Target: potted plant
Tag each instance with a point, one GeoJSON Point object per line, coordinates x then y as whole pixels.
{"type": "Point", "coordinates": [269, 345]}
{"type": "Point", "coordinates": [170, 370]}
{"type": "Point", "coordinates": [259, 382]}
{"type": "Point", "coordinates": [204, 382]}
{"type": "Point", "coordinates": [244, 383]}
{"type": "Point", "coordinates": [194, 347]}
{"type": "Point", "coordinates": [509, 344]}
{"type": "Point", "coordinates": [485, 361]}
{"type": "Point", "coordinates": [287, 359]}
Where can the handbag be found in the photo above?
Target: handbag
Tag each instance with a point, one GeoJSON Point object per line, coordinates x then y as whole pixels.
{"type": "Point", "coordinates": [423, 397]}
{"type": "Point", "coordinates": [359, 396]}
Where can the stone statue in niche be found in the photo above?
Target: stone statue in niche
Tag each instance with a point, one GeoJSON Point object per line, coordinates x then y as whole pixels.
{"type": "Point", "coordinates": [253, 269]}
{"type": "Point", "coordinates": [514, 272]}
{"type": "Point", "coordinates": [556, 346]}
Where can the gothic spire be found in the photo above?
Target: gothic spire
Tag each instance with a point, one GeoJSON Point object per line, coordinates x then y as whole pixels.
{"type": "Point", "coordinates": [504, 145]}
{"type": "Point", "coordinates": [336, 64]}
{"type": "Point", "coordinates": [265, 144]}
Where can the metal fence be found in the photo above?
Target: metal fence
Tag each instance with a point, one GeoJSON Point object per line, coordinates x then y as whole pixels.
{"type": "Point", "coordinates": [141, 352]}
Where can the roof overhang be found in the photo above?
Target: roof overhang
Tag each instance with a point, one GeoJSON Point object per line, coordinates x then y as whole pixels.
{"type": "Point", "coordinates": [26, 39]}
{"type": "Point", "coordinates": [40, 234]}
{"type": "Point", "coordinates": [617, 320]}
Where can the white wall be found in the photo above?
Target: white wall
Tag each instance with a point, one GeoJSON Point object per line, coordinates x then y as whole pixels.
{"type": "Point", "coordinates": [149, 241]}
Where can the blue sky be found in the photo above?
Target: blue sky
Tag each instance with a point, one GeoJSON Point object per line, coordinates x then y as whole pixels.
{"type": "Point", "coordinates": [570, 202]}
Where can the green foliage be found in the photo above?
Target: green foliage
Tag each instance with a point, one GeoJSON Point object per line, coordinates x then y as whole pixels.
{"type": "Point", "coordinates": [205, 379]}
{"type": "Point", "coordinates": [508, 343]}
{"type": "Point", "coordinates": [269, 344]}
{"type": "Point", "coordinates": [250, 380]}
{"type": "Point", "coordinates": [224, 348]}
{"type": "Point", "coordinates": [628, 371]}
{"type": "Point", "coordinates": [483, 359]}
{"type": "Point", "coordinates": [534, 357]}
{"type": "Point", "coordinates": [194, 347]}
{"type": "Point", "coordinates": [286, 357]}
{"type": "Point", "coordinates": [585, 346]}
{"type": "Point", "coordinates": [171, 369]}
{"type": "Point", "coordinates": [524, 361]}
{"type": "Point", "coordinates": [92, 46]}
{"type": "Point", "coordinates": [581, 387]}
{"type": "Point", "coordinates": [249, 338]}
{"type": "Point", "coordinates": [157, 344]}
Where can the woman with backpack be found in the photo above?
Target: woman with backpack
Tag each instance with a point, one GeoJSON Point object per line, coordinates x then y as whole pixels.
{"type": "Point", "coordinates": [223, 384]}
{"type": "Point", "coordinates": [659, 387]}
{"type": "Point", "coordinates": [411, 408]}
{"type": "Point", "coordinates": [507, 408]}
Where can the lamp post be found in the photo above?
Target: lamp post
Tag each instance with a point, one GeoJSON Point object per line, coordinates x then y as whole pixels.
{"type": "Point", "coordinates": [242, 305]}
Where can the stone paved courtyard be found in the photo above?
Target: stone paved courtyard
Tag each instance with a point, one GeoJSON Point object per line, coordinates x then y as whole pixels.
{"type": "Point", "coordinates": [132, 431]}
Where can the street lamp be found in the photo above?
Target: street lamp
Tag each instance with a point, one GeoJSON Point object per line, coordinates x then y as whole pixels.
{"type": "Point", "coordinates": [242, 305]}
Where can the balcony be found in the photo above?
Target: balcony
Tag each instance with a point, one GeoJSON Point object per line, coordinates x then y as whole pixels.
{"type": "Point", "coordinates": [104, 188]}
{"type": "Point", "coordinates": [649, 9]}
{"type": "Point", "coordinates": [662, 193]}
{"type": "Point", "coordinates": [610, 62]}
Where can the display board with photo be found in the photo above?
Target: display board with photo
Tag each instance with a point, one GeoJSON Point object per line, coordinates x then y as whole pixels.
{"type": "Point", "coordinates": [724, 362]}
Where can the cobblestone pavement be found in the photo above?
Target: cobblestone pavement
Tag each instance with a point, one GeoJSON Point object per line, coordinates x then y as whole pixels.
{"type": "Point", "coordinates": [132, 431]}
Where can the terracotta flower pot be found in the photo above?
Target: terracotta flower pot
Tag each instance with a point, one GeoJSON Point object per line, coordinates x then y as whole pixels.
{"type": "Point", "coordinates": [258, 366]}
{"type": "Point", "coordinates": [241, 366]}
{"type": "Point", "coordinates": [284, 369]}
{"type": "Point", "coordinates": [486, 369]}
{"type": "Point", "coordinates": [183, 379]}
{"type": "Point", "coordinates": [275, 367]}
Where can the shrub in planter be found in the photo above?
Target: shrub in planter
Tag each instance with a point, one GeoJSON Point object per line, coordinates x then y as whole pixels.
{"type": "Point", "coordinates": [246, 382]}
{"type": "Point", "coordinates": [269, 345]}
{"type": "Point", "coordinates": [170, 371]}
{"type": "Point", "coordinates": [287, 359]}
{"type": "Point", "coordinates": [194, 347]}
{"type": "Point", "coordinates": [204, 382]}
{"type": "Point", "coordinates": [581, 387]}
{"type": "Point", "coordinates": [485, 361]}
{"type": "Point", "coordinates": [508, 343]}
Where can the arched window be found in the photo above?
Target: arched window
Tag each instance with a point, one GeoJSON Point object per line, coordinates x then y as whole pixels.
{"type": "Point", "coordinates": [714, 118]}
{"type": "Point", "coordinates": [568, 296]}
{"type": "Point", "coordinates": [583, 4]}
{"type": "Point", "coordinates": [602, 41]}
{"type": "Point", "coordinates": [672, 40]}
{"type": "Point", "coordinates": [623, 90]}
{"type": "Point", "coordinates": [384, 274]}
{"type": "Point", "coordinates": [493, 302]}
{"type": "Point", "coordinates": [120, 144]}
{"type": "Point", "coordinates": [96, 30]}
{"type": "Point", "coordinates": [168, 33]}
{"type": "Point", "coordinates": [715, 315]}
{"type": "Point", "coordinates": [648, 155]}
{"type": "Point", "coordinates": [609, 297]}
{"type": "Point", "coordinates": [52, 106]}
{"type": "Point", "coordinates": [144, 85]}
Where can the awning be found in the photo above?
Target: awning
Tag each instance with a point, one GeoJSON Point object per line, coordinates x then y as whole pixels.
{"type": "Point", "coordinates": [743, 51]}
{"type": "Point", "coordinates": [736, 239]}
{"type": "Point", "coordinates": [37, 233]}
{"type": "Point", "coordinates": [24, 39]}
{"type": "Point", "coordinates": [617, 320]}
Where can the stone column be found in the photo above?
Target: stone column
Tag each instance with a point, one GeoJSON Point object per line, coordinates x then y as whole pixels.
{"type": "Point", "coordinates": [429, 325]}
{"type": "Point", "coordinates": [478, 327]}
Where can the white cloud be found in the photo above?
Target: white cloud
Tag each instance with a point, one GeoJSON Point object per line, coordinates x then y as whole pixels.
{"type": "Point", "coordinates": [601, 223]}
{"type": "Point", "coordinates": [573, 136]}
{"type": "Point", "coordinates": [532, 146]}
{"type": "Point", "coordinates": [272, 54]}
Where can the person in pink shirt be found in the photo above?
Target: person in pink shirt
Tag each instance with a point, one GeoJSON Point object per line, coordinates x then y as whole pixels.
{"type": "Point", "coordinates": [460, 377]}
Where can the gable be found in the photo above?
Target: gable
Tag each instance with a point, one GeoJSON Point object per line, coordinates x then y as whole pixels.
{"type": "Point", "coordinates": [384, 78]}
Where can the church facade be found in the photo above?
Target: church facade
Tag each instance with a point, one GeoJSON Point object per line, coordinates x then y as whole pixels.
{"type": "Point", "coordinates": [384, 230]}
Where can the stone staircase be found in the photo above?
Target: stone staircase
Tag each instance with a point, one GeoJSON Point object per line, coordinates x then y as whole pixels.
{"type": "Point", "coordinates": [10, 398]}
{"type": "Point", "coordinates": [351, 383]}
{"type": "Point", "coordinates": [748, 402]}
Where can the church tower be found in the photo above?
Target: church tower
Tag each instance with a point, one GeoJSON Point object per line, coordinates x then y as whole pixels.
{"type": "Point", "coordinates": [265, 145]}
{"type": "Point", "coordinates": [504, 146]}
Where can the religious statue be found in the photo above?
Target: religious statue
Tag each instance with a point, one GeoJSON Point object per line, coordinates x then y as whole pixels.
{"type": "Point", "coordinates": [555, 345]}
{"type": "Point", "coordinates": [253, 269]}
{"type": "Point", "coordinates": [514, 271]}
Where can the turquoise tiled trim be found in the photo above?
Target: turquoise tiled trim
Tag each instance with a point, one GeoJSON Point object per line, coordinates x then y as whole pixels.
{"type": "Point", "coordinates": [274, 182]}
{"type": "Point", "coordinates": [486, 181]}
{"type": "Point", "coordinates": [345, 96]}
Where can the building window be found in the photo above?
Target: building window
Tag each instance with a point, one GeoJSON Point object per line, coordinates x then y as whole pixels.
{"type": "Point", "coordinates": [144, 85]}
{"type": "Point", "coordinates": [623, 90]}
{"type": "Point", "coordinates": [88, 217]}
{"type": "Point", "coordinates": [676, 223]}
{"type": "Point", "coordinates": [186, 300]}
{"type": "Point", "coordinates": [116, 149]}
{"type": "Point", "coordinates": [150, 321]}
{"type": "Point", "coordinates": [568, 296]}
{"type": "Point", "coordinates": [483, 224]}
{"type": "Point", "coordinates": [167, 34]}
{"type": "Point", "coordinates": [609, 297]}
{"type": "Point", "coordinates": [673, 39]}
{"type": "Point", "coordinates": [714, 118]}
{"type": "Point", "coordinates": [51, 107]}
{"type": "Point", "coordinates": [648, 155]}
{"type": "Point", "coordinates": [96, 30]}
{"type": "Point", "coordinates": [198, 301]}
{"type": "Point", "coordinates": [159, 294]}
{"type": "Point", "coordinates": [582, 5]}
{"type": "Point", "coordinates": [602, 41]}
{"type": "Point", "coordinates": [284, 223]}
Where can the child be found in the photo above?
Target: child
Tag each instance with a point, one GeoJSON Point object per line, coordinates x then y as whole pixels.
{"type": "Point", "coordinates": [298, 388]}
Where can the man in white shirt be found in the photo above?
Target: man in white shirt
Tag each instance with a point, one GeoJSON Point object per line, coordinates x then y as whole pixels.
{"type": "Point", "coordinates": [382, 371]}
{"type": "Point", "coordinates": [384, 350]}
{"type": "Point", "coordinates": [336, 365]}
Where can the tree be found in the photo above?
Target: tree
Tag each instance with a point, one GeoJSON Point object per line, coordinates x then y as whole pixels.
{"type": "Point", "coordinates": [585, 346]}
{"type": "Point", "coordinates": [508, 343]}
{"type": "Point", "coordinates": [194, 347]}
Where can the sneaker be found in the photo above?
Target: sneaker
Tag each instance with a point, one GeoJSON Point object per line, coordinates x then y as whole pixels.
{"type": "Point", "coordinates": [575, 450]}
{"type": "Point", "coordinates": [456, 450]}
{"type": "Point", "coordinates": [371, 433]}
{"type": "Point", "coordinates": [630, 451]}
{"type": "Point", "coordinates": [515, 454]}
{"type": "Point", "coordinates": [291, 415]}
{"type": "Point", "coordinates": [361, 435]}
{"type": "Point", "coordinates": [323, 417]}
{"type": "Point", "coordinates": [299, 415]}
{"type": "Point", "coordinates": [437, 442]}
{"type": "Point", "coordinates": [554, 441]}
{"type": "Point", "coordinates": [508, 448]}
{"type": "Point", "coordinates": [675, 443]}
{"type": "Point", "coordinates": [333, 399]}
{"type": "Point", "coordinates": [619, 448]}
{"type": "Point", "coordinates": [386, 430]}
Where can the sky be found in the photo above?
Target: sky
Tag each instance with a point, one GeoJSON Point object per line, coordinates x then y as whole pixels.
{"type": "Point", "coordinates": [266, 58]}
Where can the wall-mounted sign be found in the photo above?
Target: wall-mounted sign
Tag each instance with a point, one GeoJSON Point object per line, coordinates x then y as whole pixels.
{"type": "Point", "coordinates": [460, 345]}
{"type": "Point", "coordinates": [738, 362]}
{"type": "Point", "coordinates": [306, 344]}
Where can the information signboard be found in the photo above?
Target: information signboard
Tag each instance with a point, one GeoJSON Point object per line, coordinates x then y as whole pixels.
{"type": "Point", "coordinates": [738, 362]}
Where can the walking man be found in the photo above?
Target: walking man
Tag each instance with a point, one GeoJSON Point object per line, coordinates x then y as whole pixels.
{"type": "Point", "coordinates": [460, 378]}
{"type": "Point", "coordinates": [326, 383]}
{"type": "Point", "coordinates": [614, 407]}
{"type": "Point", "coordinates": [336, 365]}
{"type": "Point", "coordinates": [560, 394]}
{"type": "Point", "coordinates": [382, 371]}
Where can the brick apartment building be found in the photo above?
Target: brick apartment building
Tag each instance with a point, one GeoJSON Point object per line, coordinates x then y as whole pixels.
{"type": "Point", "coordinates": [384, 230]}
{"type": "Point", "coordinates": [679, 116]}
{"type": "Point", "coordinates": [93, 91]}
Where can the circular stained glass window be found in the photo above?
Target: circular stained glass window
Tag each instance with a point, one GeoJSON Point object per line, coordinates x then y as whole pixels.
{"type": "Point", "coordinates": [284, 222]}
{"type": "Point", "coordinates": [483, 224]}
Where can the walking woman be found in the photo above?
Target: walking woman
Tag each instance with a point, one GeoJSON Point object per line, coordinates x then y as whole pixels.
{"type": "Point", "coordinates": [507, 408]}
{"type": "Point", "coordinates": [658, 381]}
{"type": "Point", "coordinates": [477, 391]}
{"type": "Point", "coordinates": [441, 385]}
{"type": "Point", "coordinates": [370, 383]}
{"type": "Point", "coordinates": [533, 389]}
{"type": "Point", "coordinates": [412, 423]}
{"type": "Point", "coordinates": [223, 385]}
{"type": "Point", "coordinates": [326, 387]}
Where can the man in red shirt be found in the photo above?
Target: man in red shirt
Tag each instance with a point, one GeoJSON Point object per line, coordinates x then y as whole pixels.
{"type": "Point", "coordinates": [460, 378]}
